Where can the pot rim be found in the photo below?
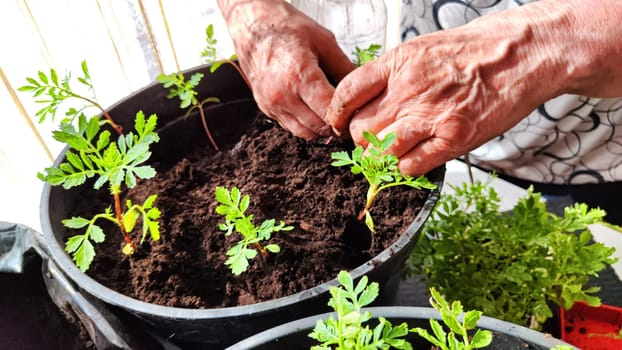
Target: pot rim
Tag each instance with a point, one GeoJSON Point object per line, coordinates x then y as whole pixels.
{"type": "Point", "coordinates": [400, 312]}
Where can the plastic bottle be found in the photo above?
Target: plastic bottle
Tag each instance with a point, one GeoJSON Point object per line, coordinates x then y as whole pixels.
{"type": "Point", "coordinates": [355, 23]}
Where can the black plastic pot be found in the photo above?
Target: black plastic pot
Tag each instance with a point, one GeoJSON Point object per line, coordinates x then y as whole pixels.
{"type": "Point", "coordinates": [294, 335]}
{"type": "Point", "coordinates": [201, 328]}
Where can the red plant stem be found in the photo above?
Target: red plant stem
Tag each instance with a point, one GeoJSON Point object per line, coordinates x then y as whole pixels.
{"type": "Point", "coordinates": [361, 215]}
{"type": "Point", "coordinates": [117, 210]}
{"type": "Point", "coordinates": [115, 126]}
{"type": "Point", "coordinates": [209, 134]}
{"type": "Point", "coordinates": [261, 249]}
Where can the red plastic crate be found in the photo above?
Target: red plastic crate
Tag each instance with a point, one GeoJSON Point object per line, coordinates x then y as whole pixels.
{"type": "Point", "coordinates": [592, 328]}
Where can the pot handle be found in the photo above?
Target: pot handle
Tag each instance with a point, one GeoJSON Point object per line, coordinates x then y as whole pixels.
{"type": "Point", "coordinates": [17, 242]}
{"type": "Point", "coordinates": [18, 245]}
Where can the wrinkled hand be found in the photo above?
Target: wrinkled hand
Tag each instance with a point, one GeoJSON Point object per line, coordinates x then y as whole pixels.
{"type": "Point", "coordinates": [447, 93]}
{"type": "Point", "coordinates": [290, 60]}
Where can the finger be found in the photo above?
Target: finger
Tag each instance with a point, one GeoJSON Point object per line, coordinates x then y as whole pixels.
{"type": "Point", "coordinates": [426, 156]}
{"type": "Point", "coordinates": [334, 62]}
{"type": "Point", "coordinates": [410, 131]}
{"type": "Point", "coordinates": [370, 118]}
{"type": "Point", "coordinates": [316, 94]}
{"type": "Point", "coordinates": [288, 122]}
{"type": "Point", "coordinates": [353, 92]}
{"type": "Point", "coordinates": [294, 126]}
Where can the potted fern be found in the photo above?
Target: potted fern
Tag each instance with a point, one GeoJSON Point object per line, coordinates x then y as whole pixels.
{"type": "Point", "coordinates": [192, 283]}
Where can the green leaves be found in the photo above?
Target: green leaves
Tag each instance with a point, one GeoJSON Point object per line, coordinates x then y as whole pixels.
{"type": "Point", "coordinates": [362, 56]}
{"type": "Point", "coordinates": [379, 168]}
{"type": "Point", "coordinates": [80, 246]}
{"type": "Point", "coordinates": [458, 337]}
{"type": "Point", "coordinates": [57, 91]}
{"type": "Point", "coordinates": [93, 154]}
{"type": "Point", "coordinates": [511, 265]}
{"type": "Point", "coordinates": [349, 331]}
{"type": "Point", "coordinates": [233, 207]}
{"type": "Point", "coordinates": [179, 87]}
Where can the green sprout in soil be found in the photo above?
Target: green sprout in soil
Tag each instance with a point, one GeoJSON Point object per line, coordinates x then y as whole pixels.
{"type": "Point", "coordinates": [349, 330]}
{"type": "Point", "coordinates": [185, 90]}
{"type": "Point", "coordinates": [210, 55]}
{"type": "Point", "coordinates": [379, 168]}
{"type": "Point", "coordinates": [233, 207]}
{"type": "Point", "coordinates": [94, 154]}
{"type": "Point", "coordinates": [458, 337]}
{"type": "Point", "coordinates": [362, 56]}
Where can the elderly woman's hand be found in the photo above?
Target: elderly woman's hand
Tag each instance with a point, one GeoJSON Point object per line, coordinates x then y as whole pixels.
{"type": "Point", "coordinates": [447, 93]}
{"type": "Point", "coordinates": [290, 60]}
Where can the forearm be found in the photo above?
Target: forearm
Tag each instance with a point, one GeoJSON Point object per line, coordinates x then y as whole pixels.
{"type": "Point", "coordinates": [241, 15]}
{"type": "Point", "coordinates": [574, 46]}
{"type": "Point", "coordinates": [592, 46]}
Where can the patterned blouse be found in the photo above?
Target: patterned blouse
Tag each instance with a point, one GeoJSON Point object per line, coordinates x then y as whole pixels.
{"type": "Point", "coordinates": [568, 140]}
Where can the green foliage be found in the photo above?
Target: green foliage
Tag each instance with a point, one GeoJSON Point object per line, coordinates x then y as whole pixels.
{"type": "Point", "coordinates": [81, 246]}
{"type": "Point", "coordinates": [379, 168]}
{"type": "Point", "coordinates": [94, 153]}
{"type": "Point", "coordinates": [52, 91]}
{"type": "Point", "coordinates": [458, 337]}
{"type": "Point", "coordinates": [210, 54]}
{"type": "Point", "coordinates": [362, 56]}
{"type": "Point", "coordinates": [233, 207]}
{"type": "Point", "coordinates": [348, 330]}
{"type": "Point", "coordinates": [509, 265]}
{"type": "Point", "coordinates": [180, 87]}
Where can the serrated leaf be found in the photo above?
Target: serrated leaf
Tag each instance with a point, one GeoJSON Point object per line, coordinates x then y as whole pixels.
{"type": "Point", "coordinates": [75, 222]}
{"type": "Point", "coordinates": [96, 233]}
{"type": "Point", "coordinates": [73, 243]}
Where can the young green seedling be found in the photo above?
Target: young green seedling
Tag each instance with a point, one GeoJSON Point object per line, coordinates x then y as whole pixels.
{"type": "Point", "coordinates": [349, 331]}
{"type": "Point", "coordinates": [362, 56]}
{"type": "Point", "coordinates": [93, 154]}
{"type": "Point", "coordinates": [379, 168]}
{"type": "Point", "coordinates": [233, 207]}
{"type": "Point", "coordinates": [210, 55]}
{"type": "Point", "coordinates": [458, 337]}
{"type": "Point", "coordinates": [510, 265]}
{"type": "Point", "coordinates": [185, 90]}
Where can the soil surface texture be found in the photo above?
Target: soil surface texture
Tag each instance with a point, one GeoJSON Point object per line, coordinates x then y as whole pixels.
{"type": "Point", "coordinates": [288, 179]}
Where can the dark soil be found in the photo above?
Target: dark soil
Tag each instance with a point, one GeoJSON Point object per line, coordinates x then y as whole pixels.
{"type": "Point", "coordinates": [287, 179]}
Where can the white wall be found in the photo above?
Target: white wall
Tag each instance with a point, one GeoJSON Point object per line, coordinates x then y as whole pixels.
{"type": "Point", "coordinates": [114, 37]}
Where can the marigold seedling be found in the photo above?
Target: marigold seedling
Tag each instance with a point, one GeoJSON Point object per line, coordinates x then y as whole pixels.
{"type": "Point", "coordinates": [233, 207]}
{"type": "Point", "coordinates": [210, 55]}
{"type": "Point", "coordinates": [185, 90]}
{"type": "Point", "coordinates": [350, 331]}
{"type": "Point", "coordinates": [94, 154]}
{"type": "Point", "coordinates": [362, 56]}
{"type": "Point", "coordinates": [458, 337]}
{"type": "Point", "coordinates": [379, 168]}
{"type": "Point", "coordinates": [514, 265]}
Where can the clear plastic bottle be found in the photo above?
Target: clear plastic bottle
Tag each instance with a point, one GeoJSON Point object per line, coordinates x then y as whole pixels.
{"type": "Point", "coordinates": [355, 23]}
